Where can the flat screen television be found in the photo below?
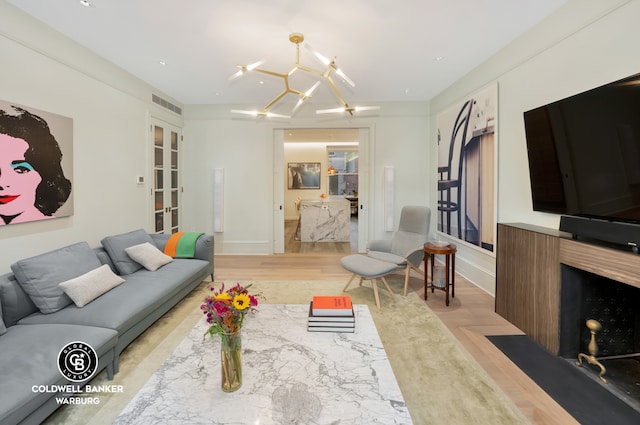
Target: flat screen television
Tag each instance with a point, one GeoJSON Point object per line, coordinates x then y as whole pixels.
{"type": "Point", "coordinates": [584, 153]}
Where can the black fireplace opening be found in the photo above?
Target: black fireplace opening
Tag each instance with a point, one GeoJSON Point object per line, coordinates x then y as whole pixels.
{"type": "Point", "coordinates": [616, 306]}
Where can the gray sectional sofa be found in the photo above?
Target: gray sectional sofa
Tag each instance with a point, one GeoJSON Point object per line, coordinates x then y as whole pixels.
{"type": "Point", "coordinates": [51, 300]}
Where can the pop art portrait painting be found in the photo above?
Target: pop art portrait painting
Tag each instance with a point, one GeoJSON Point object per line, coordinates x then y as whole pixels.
{"type": "Point", "coordinates": [36, 164]}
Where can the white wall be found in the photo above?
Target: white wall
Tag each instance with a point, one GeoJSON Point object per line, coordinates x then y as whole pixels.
{"type": "Point", "coordinates": [401, 141]}
{"type": "Point", "coordinates": [585, 44]}
{"type": "Point", "coordinates": [244, 148]}
{"type": "Point", "coordinates": [110, 111]}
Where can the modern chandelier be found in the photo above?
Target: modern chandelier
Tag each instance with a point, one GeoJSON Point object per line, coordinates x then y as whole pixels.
{"type": "Point", "coordinates": [324, 75]}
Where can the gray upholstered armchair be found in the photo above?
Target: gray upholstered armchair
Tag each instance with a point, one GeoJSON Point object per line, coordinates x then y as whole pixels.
{"type": "Point", "coordinates": [405, 248]}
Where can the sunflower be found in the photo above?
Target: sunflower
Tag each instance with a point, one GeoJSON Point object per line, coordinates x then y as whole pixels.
{"type": "Point", "coordinates": [241, 302]}
{"type": "Point", "coordinates": [223, 296]}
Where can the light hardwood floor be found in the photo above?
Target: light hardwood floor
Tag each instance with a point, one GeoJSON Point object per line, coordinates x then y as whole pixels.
{"type": "Point", "coordinates": [470, 317]}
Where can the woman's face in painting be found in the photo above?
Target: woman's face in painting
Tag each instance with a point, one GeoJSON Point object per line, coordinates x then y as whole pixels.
{"type": "Point", "coordinates": [18, 180]}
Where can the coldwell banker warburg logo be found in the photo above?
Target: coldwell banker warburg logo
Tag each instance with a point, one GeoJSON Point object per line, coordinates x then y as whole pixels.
{"type": "Point", "coordinates": [77, 361]}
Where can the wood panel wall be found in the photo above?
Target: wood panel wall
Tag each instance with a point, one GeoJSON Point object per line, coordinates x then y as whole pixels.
{"type": "Point", "coordinates": [528, 282]}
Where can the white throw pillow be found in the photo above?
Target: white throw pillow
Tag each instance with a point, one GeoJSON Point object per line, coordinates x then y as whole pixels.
{"type": "Point", "coordinates": [148, 255]}
{"type": "Point", "coordinates": [89, 286]}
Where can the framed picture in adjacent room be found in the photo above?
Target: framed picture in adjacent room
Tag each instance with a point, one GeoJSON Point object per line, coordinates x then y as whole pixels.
{"type": "Point", "coordinates": [303, 175]}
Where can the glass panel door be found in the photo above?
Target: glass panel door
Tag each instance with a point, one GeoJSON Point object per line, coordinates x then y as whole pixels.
{"type": "Point", "coordinates": [166, 182]}
{"type": "Point", "coordinates": [343, 174]}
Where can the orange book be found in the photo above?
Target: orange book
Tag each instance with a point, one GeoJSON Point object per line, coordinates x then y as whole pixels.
{"type": "Point", "coordinates": [332, 306]}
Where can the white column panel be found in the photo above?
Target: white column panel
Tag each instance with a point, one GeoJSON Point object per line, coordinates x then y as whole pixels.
{"type": "Point", "coordinates": [218, 200]}
{"type": "Point", "coordinates": [389, 204]}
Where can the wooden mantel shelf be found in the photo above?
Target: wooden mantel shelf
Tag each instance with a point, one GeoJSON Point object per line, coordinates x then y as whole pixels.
{"type": "Point", "coordinates": [610, 263]}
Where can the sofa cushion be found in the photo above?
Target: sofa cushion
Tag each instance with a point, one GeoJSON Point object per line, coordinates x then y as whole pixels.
{"type": "Point", "coordinates": [148, 255]}
{"type": "Point", "coordinates": [3, 328]}
{"type": "Point", "coordinates": [116, 245]}
{"type": "Point", "coordinates": [89, 286]}
{"type": "Point", "coordinates": [129, 303]}
{"type": "Point", "coordinates": [39, 276]}
{"type": "Point", "coordinates": [104, 258]}
{"type": "Point", "coordinates": [29, 357]}
{"type": "Point", "coordinates": [16, 304]}
{"type": "Point", "coordinates": [160, 239]}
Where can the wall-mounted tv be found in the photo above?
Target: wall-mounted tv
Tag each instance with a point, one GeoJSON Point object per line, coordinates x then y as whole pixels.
{"type": "Point", "coordinates": [584, 153]}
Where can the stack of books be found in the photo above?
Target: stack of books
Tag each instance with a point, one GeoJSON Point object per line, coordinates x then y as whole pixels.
{"type": "Point", "coordinates": [331, 314]}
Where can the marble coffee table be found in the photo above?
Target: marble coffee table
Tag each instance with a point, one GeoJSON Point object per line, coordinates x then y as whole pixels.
{"type": "Point", "coordinates": [290, 376]}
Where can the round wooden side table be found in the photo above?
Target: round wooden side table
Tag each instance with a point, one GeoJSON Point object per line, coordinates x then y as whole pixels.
{"type": "Point", "coordinates": [431, 249]}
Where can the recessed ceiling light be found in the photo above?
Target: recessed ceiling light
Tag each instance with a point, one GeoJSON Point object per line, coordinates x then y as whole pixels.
{"type": "Point", "coordinates": [86, 3]}
{"type": "Point", "coordinates": [163, 63]}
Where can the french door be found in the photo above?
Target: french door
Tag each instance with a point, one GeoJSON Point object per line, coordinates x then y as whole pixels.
{"type": "Point", "coordinates": [166, 186]}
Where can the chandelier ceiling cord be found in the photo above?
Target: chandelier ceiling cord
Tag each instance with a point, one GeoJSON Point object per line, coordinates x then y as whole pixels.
{"type": "Point", "coordinates": [326, 75]}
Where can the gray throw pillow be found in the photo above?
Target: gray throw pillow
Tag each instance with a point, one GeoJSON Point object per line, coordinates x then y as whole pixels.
{"type": "Point", "coordinates": [39, 276]}
{"type": "Point", "coordinates": [16, 304]}
{"type": "Point", "coordinates": [116, 245]}
{"type": "Point", "coordinates": [3, 328]}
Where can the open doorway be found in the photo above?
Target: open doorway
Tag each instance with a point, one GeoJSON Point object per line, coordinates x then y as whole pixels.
{"type": "Point", "coordinates": [335, 154]}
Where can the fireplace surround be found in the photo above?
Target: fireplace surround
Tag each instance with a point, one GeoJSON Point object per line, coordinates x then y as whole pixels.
{"type": "Point", "coordinates": [615, 305]}
{"type": "Point", "coordinates": [549, 284]}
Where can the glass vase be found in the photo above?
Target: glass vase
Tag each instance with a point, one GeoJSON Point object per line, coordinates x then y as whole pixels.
{"type": "Point", "coordinates": [231, 361]}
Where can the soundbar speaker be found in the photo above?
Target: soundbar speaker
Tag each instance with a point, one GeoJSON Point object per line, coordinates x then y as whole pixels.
{"type": "Point", "coordinates": [616, 232]}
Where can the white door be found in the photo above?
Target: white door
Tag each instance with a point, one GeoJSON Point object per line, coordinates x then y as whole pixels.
{"type": "Point", "coordinates": [364, 139]}
{"type": "Point", "coordinates": [278, 192]}
{"type": "Point", "coordinates": [166, 181]}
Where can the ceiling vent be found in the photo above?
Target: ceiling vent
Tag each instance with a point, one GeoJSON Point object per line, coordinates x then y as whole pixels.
{"type": "Point", "coordinates": [166, 104]}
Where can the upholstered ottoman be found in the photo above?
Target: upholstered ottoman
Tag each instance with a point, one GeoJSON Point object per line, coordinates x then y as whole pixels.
{"type": "Point", "coordinates": [368, 268]}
